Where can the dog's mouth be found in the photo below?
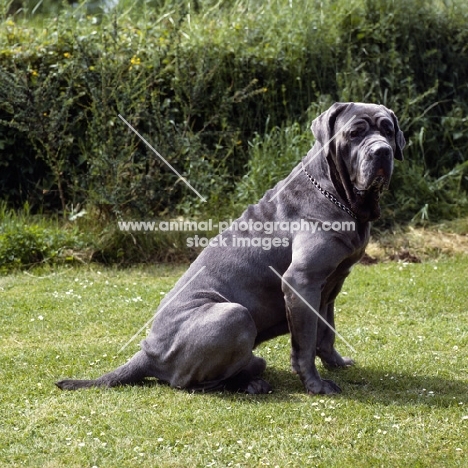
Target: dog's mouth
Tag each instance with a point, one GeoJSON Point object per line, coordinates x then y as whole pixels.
{"type": "Point", "coordinates": [378, 184]}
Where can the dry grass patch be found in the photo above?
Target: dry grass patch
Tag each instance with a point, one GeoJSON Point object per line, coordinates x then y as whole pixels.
{"type": "Point", "coordinates": [416, 244]}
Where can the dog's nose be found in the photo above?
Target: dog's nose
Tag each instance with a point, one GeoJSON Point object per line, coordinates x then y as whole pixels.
{"type": "Point", "coordinates": [383, 151]}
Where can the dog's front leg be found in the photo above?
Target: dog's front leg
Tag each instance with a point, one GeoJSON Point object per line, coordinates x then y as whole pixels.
{"type": "Point", "coordinates": [326, 351]}
{"type": "Point", "coordinates": [302, 295]}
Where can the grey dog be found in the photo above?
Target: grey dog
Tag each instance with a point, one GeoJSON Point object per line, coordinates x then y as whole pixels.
{"type": "Point", "coordinates": [234, 297]}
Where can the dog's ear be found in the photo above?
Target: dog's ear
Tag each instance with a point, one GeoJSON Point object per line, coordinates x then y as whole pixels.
{"type": "Point", "coordinates": [400, 141]}
{"type": "Point", "coordinates": [323, 126]}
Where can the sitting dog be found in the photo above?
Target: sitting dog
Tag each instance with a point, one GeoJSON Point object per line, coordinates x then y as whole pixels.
{"type": "Point", "coordinates": [234, 297]}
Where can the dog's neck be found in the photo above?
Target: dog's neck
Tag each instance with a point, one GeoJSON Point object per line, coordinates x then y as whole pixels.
{"type": "Point", "coordinates": [338, 183]}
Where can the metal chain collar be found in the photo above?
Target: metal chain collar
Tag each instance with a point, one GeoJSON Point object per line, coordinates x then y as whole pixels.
{"type": "Point", "coordinates": [328, 194]}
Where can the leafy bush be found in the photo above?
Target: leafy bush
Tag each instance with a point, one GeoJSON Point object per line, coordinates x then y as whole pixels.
{"type": "Point", "coordinates": [26, 241]}
{"type": "Point", "coordinates": [199, 80]}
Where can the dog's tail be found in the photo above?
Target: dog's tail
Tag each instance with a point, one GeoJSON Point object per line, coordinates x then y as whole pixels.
{"type": "Point", "coordinates": [133, 372]}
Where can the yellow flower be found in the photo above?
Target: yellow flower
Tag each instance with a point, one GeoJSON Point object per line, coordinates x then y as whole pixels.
{"type": "Point", "coordinates": [67, 55]}
{"type": "Point", "coordinates": [135, 60]}
{"type": "Point", "coordinates": [34, 73]}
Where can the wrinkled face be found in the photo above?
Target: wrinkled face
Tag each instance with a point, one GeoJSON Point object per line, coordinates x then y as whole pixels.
{"type": "Point", "coordinates": [368, 142]}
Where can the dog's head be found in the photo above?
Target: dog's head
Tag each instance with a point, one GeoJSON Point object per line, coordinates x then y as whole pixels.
{"type": "Point", "coordinates": [360, 142]}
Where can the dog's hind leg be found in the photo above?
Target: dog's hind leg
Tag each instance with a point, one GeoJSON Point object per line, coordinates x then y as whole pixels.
{"type": "Point", "coordinates": [211, 345]}
{"type": "Point", "coordinates": [133, 372]}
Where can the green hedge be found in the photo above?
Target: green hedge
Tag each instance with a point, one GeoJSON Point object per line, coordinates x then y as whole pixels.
{"type": "Point", "coordinates": [209, 84]}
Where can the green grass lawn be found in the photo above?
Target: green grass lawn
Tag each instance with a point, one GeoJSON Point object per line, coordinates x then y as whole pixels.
{"type": "Point", "coordinates": [404, 404]}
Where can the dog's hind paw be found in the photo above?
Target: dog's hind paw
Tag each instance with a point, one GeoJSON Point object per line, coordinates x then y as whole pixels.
{"type": "Point", "coordinates": [257, 386]}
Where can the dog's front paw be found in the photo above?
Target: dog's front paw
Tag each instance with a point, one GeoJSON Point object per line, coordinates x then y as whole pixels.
{"type": "Point", "coordinates": [341, 363]}
{"type": "Point", "coordinates": [322, 387]}
{"type": "Point", "coordinates": [333, 359]}
{"type": "Point", "coordinates": [347, 362]}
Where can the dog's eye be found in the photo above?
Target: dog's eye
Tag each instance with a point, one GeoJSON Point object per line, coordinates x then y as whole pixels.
{"type": "Point", "coordinates": [387, 129]}
{"type": "Point", "coordinates": [355, 133]}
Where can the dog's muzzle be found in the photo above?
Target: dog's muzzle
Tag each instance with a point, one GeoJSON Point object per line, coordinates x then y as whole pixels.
{"type": "Point", "coordinates": [377, 167]}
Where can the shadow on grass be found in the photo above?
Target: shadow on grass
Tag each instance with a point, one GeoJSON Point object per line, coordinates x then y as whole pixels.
{"type": "Point", "coordinates": [365, 384]}
{"type": "Point", "coordinates": [399, 388]}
